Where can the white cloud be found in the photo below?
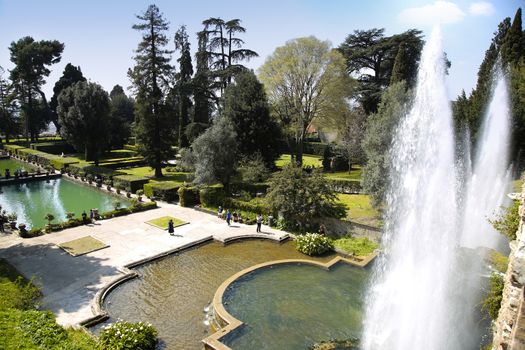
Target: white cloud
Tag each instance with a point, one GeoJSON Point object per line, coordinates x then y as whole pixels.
{"type": "Point", "coordinates": [481, 8]}
{"type": "Point", "coordinates": [440, 12]}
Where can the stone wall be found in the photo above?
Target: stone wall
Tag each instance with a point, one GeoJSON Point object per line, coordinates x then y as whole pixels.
{"type": "Point", "coordinates": [509, 328]}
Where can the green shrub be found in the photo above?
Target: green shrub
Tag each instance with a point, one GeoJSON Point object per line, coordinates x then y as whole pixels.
{"type": "Point", "coordinates": [166, 190]}
{"type": "Point", "coordinates": [12, 148]}
{"type": "Point", "coordinates": [130, 183]}
{"type": "Point", "coordinates": [255, 206]}
{"type": "Point", "coordinates": [15, 291]}
{"type": "Point", "coordinates": [52, 147]}
{"type": "Point", "coordinates": [188, 196]}
{"type": "Point", "coordinates": [313, 244]}
{"type": "Point", "coordinates": [60, 163]}
{"type": "Point", "coordinates": [316, 148]}
{"type": "Point", "coordinates": [356, 246]}
{"type": "Point", "coordinates": [212, 196]}
{"type": "Point", "coordinates": [42, 329]}
{"type": "Point", "coordinates": [126, 335]}
{"type": "Point", "coordinates": [252, 188]}
{"type": "Point", "coordinates": [492, 302]}
{"type": "Point", "coordinates": [508, 220]}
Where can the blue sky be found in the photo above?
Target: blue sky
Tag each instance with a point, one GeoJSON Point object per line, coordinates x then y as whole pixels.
{"type": "Point", "coordinates": [98, 35]}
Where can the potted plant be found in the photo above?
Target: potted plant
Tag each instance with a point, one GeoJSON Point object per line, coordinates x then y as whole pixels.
{"type": "Point", "coordinates": [140, 193]}
{"type": "Point", "coordinates": [89, 178]}
{"type": "Point", "coordinates": [116, 204]}
{"type": "Point", "coordinates": [70, 216]}
{"type": "Point", "coordinates": [12, 220]}
{"type": "Point", "coordinates": [49, 217]}
{"type": "Point", "coordinates": [118, 189]}
{"type": "Point", "coordinates": [22, 230]}
{"type": "Point", "coordinates": [128, 194]}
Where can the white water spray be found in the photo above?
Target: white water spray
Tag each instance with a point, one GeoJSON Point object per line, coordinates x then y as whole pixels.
{"type": "Point", "coordinates": [408, 306]}
{"type": "Point", "coordinates": [487, 188]}
{"type": "Point", "coordinates": [426, 290]}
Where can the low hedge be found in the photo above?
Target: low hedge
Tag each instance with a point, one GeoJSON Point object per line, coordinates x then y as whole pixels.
{"type": "Point", "coordinates": [255, 208]}
{"type": "Point", "coordinates": [316, 148]}
{"type": "Point", "coordinates": [52, 147]}
{"type": "Point", "coordinates": [212, 196]}
{"type": "Point", "coordinates": [131, 183]}
{"type": "Point", "coordinates": [123, 163]}
{"type": "Point", "coordinates": [166, 190]}
{"type": "Point", "coordinates": [188, 196]}
{"type": "Point", "coordinates": [12, 148]}
{"type": "Point", "coordinates": [252, 188]}
{"type": "Point", "coordinates": [346, 186]}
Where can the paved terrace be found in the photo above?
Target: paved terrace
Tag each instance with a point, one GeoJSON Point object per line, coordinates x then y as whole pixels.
{"type": "Point", "coordinates": [69, 284]}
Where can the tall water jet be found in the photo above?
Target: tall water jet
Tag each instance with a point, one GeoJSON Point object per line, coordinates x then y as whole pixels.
{"type": "Point", "coordinates": [488, 185]}
{"type": "Point", "coordinates": [408, 305]}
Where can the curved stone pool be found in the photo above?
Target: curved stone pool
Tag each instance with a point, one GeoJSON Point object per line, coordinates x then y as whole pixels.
{"type": "Point", "coordinates": [172, 293]}
{"type": "Point", "coordinates": [293, 306]}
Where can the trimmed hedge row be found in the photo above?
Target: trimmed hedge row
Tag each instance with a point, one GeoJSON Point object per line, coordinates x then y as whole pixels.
{"type": "Point", "coordinates": [188, 196]}
{"type": "Point", "coordinates": [131, 183]}
{"type": "Point", "coordinates": [252, 188]}
{"type": "Point", "coordinates": [247, 206]}
{"type": "Point", "coordinates": [56, 147]}
{"type": "Point", "coordinates": [126, 163]}
{"type": "Point", "coordinates": [346, 186]}
{"type": "Point", "coordinates": [166, 190]}
{"type": "Point", "coordinates": [12, 148]}
{"type": "Point", "coordinates": [212, 196]}
{"type": "Point", "coordinates": [316, 148]}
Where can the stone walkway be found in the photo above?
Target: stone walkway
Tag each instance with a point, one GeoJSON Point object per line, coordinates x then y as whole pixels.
{"type": "Point", "coordinates": [69, 284]}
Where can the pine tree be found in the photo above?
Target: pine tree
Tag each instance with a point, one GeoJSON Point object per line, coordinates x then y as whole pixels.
{"type": "Point", "coordinates": [154, 128]}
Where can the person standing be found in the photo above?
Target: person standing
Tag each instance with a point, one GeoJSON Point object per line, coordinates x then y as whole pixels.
{"type": "Point", "coordinates": [2, 222]}
{"type": "Point", "coordinates": [259, 222]}
{"type": "Point", "coordinates": [171, 228]}
{"type": "Point", "coordinates": [228, 217]}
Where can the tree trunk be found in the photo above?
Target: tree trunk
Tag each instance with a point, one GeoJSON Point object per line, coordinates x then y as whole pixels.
{"type": "Point", "coordinates": [300, 152]}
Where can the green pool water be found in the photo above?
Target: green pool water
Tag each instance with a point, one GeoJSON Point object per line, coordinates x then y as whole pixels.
{"type": "Point", "coordinates": [172, 293]}
{"type": "Point", "coordinates": [13, 165]}
{"type": "Point", "coordinates": [295, 306]}
{"type": "Point", "coordinates": [31, 201]}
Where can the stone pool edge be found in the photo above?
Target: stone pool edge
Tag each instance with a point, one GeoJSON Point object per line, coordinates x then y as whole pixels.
{"type": "Point", "coordinates": [100, 314]}
{"type": "Point", "coordinates": [213, 342]}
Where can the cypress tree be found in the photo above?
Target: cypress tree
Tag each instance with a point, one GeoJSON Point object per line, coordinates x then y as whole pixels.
{"type": "Point", "coordinates": [512, 46]}
{"type": "Point", "coordinates": [184, 88]}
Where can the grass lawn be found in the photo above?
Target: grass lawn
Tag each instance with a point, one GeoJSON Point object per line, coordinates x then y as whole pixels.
{"type": "Point", "coordinates": [146, 171]}
{"type": "Point", "coordinates": [359, 208]}
{"type": "Point", "coordinates": [308, 160]}
{"type": "Point", "coordinates": [162, 222]}
{"type": "Point", "coordinates": [356, 246]}
{"type": "Point", "coordinates": [82, 246]}
{"type": "Point", "coordinates": [355, 174]}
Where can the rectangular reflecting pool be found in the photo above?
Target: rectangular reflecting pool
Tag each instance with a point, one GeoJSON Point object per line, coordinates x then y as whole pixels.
{"type": "Point", "coordinates": [12, 165]}
{"type": "Point", "coordinates": [33, 200]}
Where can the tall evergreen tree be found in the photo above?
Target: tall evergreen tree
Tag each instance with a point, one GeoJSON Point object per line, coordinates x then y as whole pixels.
{"type": "Point", "coordinates": [225, 50]}
{"type": "Point", "coordinates": [121, 117]}
{"type": "Point", "coordinates": [184, 85]}
{"type": "Point", "coordinates": [246, 105]}
{"type": "Point", "coordinates": [150, 75]}
{"type": "Point", "coordinates": [32, 59]}
{"type": "Point", "coordinates": [371, 56]}
{"type": "Point", "coordinates": [70, 76]}
{"type": "Point", "coordinates": [378, 138]}
{"type": "Point", "coordinates": [83, 113]}
{"type": "Point", "coordinates": [512, 47]}
{"type": "Point", "coordinates": [8, 109]}
{"type": "Point", "coordinates": [203, 93]}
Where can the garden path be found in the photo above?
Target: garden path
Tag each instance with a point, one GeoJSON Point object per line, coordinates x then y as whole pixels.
{"type": "Point", "coordinates": [69, 283]}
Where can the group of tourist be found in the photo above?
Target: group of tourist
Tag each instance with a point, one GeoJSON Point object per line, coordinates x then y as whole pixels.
{"type": "Point", "coordinates": [238, 218]}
